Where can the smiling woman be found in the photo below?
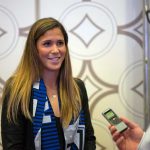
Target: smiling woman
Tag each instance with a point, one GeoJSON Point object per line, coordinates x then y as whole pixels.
{"type": "Point", "coordinates": [44, 106]}
{"type": "Point", "coordinates": [51, 50]}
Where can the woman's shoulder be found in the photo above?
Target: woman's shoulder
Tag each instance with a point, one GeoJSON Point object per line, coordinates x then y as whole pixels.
{"type": "Point", "coordinates": [81, 85]}
{"type": "Point", "coordinates": [9, 81]}
{"type": "Point", "coordinates": [8, 84]}
{"type": "Point", "coordinates": [78, 81]}
{"type": "Point", "coordinates": [83, 92]}
{"type": "Point", "coordinates": [7, 89]}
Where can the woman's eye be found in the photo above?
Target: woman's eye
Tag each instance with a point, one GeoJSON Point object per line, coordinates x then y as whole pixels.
{"type": "Point", "coordinates": [60, 43]}
{"type": "Point", "coordinates": [47, 43]}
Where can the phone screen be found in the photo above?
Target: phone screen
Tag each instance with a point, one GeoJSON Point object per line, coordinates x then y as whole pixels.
{"type": "Point", "coordinates": [109, 114]}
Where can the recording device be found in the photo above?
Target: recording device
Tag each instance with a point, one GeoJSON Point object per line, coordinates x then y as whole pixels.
{"type": "Point", "coordinates": [113, 119]}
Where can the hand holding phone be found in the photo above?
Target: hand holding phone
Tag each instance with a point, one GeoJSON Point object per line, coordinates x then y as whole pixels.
{"type": "Point", "coordinates": [113, 119]}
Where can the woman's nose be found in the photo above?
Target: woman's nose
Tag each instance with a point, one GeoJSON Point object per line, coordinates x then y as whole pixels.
{"type": "Point", "coordinates": [55, 49]}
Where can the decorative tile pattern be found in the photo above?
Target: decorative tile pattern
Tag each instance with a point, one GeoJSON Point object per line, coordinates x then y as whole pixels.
{"type": "Point", "coordinates": [106, 48]}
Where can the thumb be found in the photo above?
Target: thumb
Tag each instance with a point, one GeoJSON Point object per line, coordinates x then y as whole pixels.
{"type": "Point", "coordinates": [129, 123]}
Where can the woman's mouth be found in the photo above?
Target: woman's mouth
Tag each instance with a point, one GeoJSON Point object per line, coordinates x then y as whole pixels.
{"type": "Point", "coordinates": [54, 59]}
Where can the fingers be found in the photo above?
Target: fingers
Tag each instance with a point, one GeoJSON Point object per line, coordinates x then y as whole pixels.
{"type": "Point", "coordinates": [129, 123]}
{"type": "Point", "coordinates": [119, 141]}
{"type": "Point", "coordinates": [112, 129]}
{"type": "Point", "coordinates": [117, 137]}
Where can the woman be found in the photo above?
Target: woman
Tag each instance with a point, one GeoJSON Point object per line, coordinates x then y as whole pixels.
{"type": "Point", "coordinates": [44, 107]}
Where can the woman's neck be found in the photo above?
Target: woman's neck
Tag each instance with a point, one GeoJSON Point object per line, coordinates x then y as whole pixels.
{"type": "Point", "coordinates": [50, 80]}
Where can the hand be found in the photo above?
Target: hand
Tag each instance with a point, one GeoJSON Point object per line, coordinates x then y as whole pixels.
{"type": "Point", "coordinates": [129, 139]}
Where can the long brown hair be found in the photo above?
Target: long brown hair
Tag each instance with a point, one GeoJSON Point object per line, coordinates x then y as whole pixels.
{"type": "Point", "coordinates": [19, 86]}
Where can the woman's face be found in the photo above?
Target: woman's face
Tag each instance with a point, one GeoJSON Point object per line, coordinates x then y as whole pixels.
{"type": "Point", "coordinates": [51, 49]}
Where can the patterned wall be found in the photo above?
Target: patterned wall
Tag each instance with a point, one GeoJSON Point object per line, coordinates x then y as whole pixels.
{"type": "Point", "coordinates": [106, 50]}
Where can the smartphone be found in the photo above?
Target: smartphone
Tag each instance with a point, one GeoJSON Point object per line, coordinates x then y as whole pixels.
{"type": "Point", "coordinates": [113, 119]}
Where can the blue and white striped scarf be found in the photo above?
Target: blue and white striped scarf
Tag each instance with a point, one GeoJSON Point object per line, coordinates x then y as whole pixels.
{"type": "Point", "coordinates": [44, 124]}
